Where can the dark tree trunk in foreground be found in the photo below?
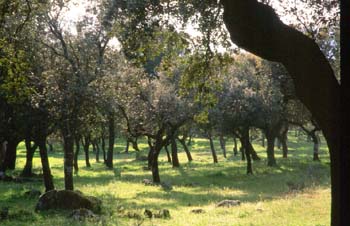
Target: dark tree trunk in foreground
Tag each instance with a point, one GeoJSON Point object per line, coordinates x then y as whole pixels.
{"type": "Point", "coordinates": [111, 129]}
{"type": "Point", "coordinates": [154, 153]}
{"type": "Point", "coordinates": [174, 155]}
{"type": "Point", "coordinates": [223, 145]}
{"type": "Point", "coordinates": [30, 150]}
{"type": "Point", "coordinates": [46, 166]}
{"type": "Point", "coordinates": [68, 145]}
{"type": "Point", "coordinates": [76, 155]}
{"type": "Point", "coordinates": [187, 151]}
{"type": "Point", "coordinates": [256, 28]}
{"type": "Point", "coordinates": [86, 145]}
{"type": "Point", "coordinates": [212, 148]}
{"type": "Point", "coordinates": [11, 154]}
{"type": "Point", "coordinates": [167, 153]}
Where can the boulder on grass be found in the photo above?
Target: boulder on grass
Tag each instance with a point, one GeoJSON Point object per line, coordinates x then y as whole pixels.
{"type": "Point", "coordinates": [67, 200]}
{"type": "Point", "coordinates": [228, 203]}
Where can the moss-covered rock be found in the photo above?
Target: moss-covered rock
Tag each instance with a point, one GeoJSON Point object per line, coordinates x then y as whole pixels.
{"type": "Point", "coordinates": [67, 200]}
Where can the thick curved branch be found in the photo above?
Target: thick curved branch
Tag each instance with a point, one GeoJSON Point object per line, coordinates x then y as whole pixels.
{"type": "Point", "coordinates": [256, 28]}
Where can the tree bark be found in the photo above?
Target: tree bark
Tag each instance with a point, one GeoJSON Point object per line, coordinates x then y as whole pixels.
{"type": "Point", "coordinates": [68, 141]}
{"type": "Point", "coordinates": [86, 146]}
{"type": "Point", "coordinates": [174, 156]}
{"type": "Point", "coordinates": [247, 148]}
{"type": "Point", "coordinates": [111, 129]}
{"type": "Point", "coordinates": [127, 146]}
{"type": "Point", "coordinates": [212, 148]}
{"type": "Point", "coordinates": [76, 155]}
{"type": "Point", "coordinates": [316, 141]}
{"type": "Point", "coordinates": [283, 139]}
{"type": "Point", "coordinates": [30, 150]}
{"type": "Point", "coordinates": [10, 155]}
{"type": "Point", "coordinates": [187, 151]}
{"type": "Point", "coordinates": [235, 150]}
{"type": "Point", "coordinates": [103, 146]}
{"type": "Point", "coordinates": [271, 161]}
{"type": "Point", "coordinates": [167, 153]}
{"type": "Point", "coordinates": [256, 28]}
{"type": "Point", "coordinates": [223, 145]}
{"type": "Point", "coordinates": [48, 181]}
{"type": "Point", "coordinates": [97, 147]}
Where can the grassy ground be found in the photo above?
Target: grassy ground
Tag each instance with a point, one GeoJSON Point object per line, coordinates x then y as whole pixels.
{"type": "Point", "coordinates": [266, 196]}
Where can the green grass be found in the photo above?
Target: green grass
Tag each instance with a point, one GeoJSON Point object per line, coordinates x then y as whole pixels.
{"type": "Point", "coordinates": [265, 196]}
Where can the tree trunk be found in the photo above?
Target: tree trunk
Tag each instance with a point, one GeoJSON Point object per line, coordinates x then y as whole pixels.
{"type": "Point", "coordinates": [266, 36]}
{"type": "Point", "coordinates": [135, 145]}
{"type": "Point", "coordinates": [76, 155]}
{"type": "Point", "coordinates": [127, 146]}
{"type": "Point", "coordinates": [111, 129]}
{"type": "Point", "coordinates": [284, 138]}
{"type": "Point", "coordinates": [68, 141]}
{"type": "Point", "coordinates": [10, 155]}
{"type": "Point", "coordinates": [154, 166]}
{"type": "Point", "coordinates": [241, 149]}
{"type": "Point", "coordinates": [46, 167]}
{"type": "Point", "coordinates": [212, 148]}
{"type": "Point", "coordinates": [223, 145]}
{"type": "Point", "coordinates": [97, 147]}
{"type": "Point", "coordinates": [86, 146]}
{"type": "Point", "coordinates": [271, 161]}
{"type": "Point", "coordinates": [167, 153]}
{"type": "Point", "coordinates": [103, 146]}
{"type": "Point", "coordinates": [263, 139]}
{"type": "Point", "coordinates": [316, 141]}
{"type": "Point", "coordinates": [247, 148]}
{"type": "Point", "coordinates": [235, 150]}
{"type": "Point", "coordinates": [27, 170]}
{"type": "Point", "coordinates": [174, 155]}
{"type": "Point", "coordinates": [187, 151]}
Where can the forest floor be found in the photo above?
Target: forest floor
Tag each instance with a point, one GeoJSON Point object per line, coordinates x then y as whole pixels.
{"type": "Point", "coordinates": [295, 193]}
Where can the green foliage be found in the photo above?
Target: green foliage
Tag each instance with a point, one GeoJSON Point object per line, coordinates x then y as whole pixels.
{"type": "Point", "coordinates": [14, 74]}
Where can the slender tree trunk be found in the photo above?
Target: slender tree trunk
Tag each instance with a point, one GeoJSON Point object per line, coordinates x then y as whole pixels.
{"type": "Point", "coordinates": [127, 146]}
{"type": "Point", "coordinates": [246, 144]}
{"type": "Point", "coordinates": [68, 140]}
{"type": "Point", "coordinates": [135, 145]}
{"type": "Point", "coordinates": [86, 145]}
{"type": "Point", "coordinates": [167, 153]}
{"type": "Point", "coordinates": [10, 155]}
{"type": "Point", "coordinates": [212, 148]}
{"type": "Point", "coordinates": [316, 141]}
{"type": "Point", "coordinates": [76, 154]}
{"type": "Point", "coordinates": [97, 147]}
{"type": "Point", "coordinates": [189, 142]}
{"type": "Point", "coordinates": [103, 145]}
{"type": "Point", "coordinates": [271, 161]}
{"type": "Point", "coordinates": [187, 151]}
{"type": "Point", "coordinates": [46, 166]}
{"type": "Point", "coordinates": [235, 150]}
{"type": "Point", "coordinates": [111, 129]}
{"type": "Point", "coordinates": [175, 158]}
{"type": "Point", "coordinates": [263, 139]}
{"type": "Point", "coordinates": [284, 138]}
{"type": "Point", "coordinates": [27, 170]}
{"type": "Point", "coordinates": [223, 145]}
{"type": "Point", "coordinates": [241, 149]}
{"type": "Point", "coordinates": [154, 166]}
